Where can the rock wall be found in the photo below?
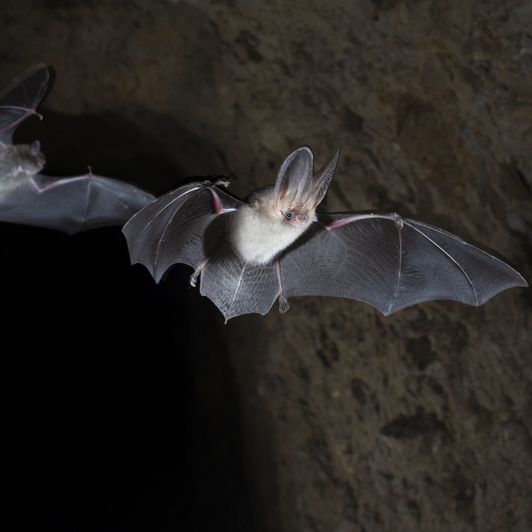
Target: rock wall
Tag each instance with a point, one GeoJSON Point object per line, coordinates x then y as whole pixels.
{"type": "Point", "coordinates": [346, 420]}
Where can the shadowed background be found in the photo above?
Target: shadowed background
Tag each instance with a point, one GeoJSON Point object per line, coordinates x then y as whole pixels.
{"type": "Point", "coordinates": [129, 406]}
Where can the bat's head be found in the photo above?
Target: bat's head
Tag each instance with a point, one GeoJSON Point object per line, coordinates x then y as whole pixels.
{"type": "Point", "coordinates": [32, 160]}
{"type": "Point", "coordinates": [36, 154]}
{"type": "Point", "coordinates": [22, 161]}
{"type": "Point", "coordinates": [298, 191]}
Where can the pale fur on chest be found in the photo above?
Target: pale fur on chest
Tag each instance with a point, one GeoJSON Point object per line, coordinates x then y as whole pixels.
{"type": "Point", "coordinates": [258, 237]}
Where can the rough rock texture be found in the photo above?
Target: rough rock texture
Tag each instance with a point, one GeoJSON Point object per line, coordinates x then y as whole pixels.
{"type": "Point", "coordinates": [349, 421]}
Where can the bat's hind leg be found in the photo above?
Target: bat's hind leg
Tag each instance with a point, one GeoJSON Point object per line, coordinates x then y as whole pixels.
{"type": "Point", "coordinates": [283, 301]}
{"type": "Point", "coordinates": [199, 269]}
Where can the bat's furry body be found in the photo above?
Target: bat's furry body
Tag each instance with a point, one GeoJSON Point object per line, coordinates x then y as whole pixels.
{"type": "Point", "coordinates": [275, 246]}
{"type": "Point", "coordinates": [260, 232]}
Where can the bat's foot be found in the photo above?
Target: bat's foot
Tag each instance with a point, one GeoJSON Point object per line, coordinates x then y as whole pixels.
{"type": "Point", "coordinates": [283, 304]}
{"type": "Point", "coordinates": [194, 277]}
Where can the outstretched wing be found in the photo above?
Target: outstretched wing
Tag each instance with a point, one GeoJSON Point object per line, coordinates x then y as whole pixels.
{"type": "Point", "coordinates": [184, 226]}
{"type": "Point", "coordinates": [391, 263]}
{"type": "Point", "coordinates": [20, 99]}
{"type": "Point", "coordinates": [72, 204]}
{"type": "Point", "coordinates": [190, 226]}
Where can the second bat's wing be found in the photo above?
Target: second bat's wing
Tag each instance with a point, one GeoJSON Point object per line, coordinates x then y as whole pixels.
{"type": "Point", "coordinates": [391, 263]}
{"type": "Point", "coordinates": [20, 99]}
{"type": "Point", "coordinates": [72, 204]}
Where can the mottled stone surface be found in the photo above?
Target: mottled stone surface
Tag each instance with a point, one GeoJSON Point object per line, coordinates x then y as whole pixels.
{"type": "Point", "coordinates": [349, 421]}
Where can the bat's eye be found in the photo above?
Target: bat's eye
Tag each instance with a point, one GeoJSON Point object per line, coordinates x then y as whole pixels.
{"type": "Point", "coordinates": [289, 215]}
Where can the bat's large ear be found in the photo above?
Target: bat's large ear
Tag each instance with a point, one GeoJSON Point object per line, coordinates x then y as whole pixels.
{"type": "Point", "coordinates": [35, 147]}
{"type": "Point", "coordinates": [322, 179]}
{"type": "Point", "coordinates": [294, 177]}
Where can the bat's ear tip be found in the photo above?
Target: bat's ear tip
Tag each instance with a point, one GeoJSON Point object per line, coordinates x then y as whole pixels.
{"type": "Point", "coordinates": [304, 148]}
{"type": "Point", "coordinates": [334, 160]}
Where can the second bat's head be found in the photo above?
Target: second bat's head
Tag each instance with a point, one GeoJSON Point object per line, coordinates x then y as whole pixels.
{"type": "Point", "coordinates": [19, 162]}
{"type": "Point", "coordinates": [298, 190]}
{"type": "Point", "coordinates": [32, 158]}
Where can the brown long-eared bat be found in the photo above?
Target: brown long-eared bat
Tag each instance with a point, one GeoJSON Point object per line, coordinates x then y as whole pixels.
{"type": "Point", "coordinates": [275, 246]}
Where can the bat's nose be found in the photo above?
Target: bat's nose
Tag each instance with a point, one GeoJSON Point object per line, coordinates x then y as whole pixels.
{"type": "Point", "coordinates": [301, 219]}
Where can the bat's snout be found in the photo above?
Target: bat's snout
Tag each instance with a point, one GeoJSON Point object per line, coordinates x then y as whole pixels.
{"type": "Point", "coordinates": [298, 220]}
{"type": "Point", "coordinates": [302, 219]}
{"type": "Point", "coordinates": [40, 160]}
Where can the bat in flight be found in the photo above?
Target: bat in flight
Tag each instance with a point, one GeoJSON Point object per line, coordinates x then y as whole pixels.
{"type": "Point", "coordinates": [27, 197]}
{"type": "Point", "coordinates": [275, 246]}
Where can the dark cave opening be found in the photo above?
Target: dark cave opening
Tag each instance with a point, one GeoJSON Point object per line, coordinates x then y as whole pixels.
{"type": "Point", "coordinates": [121, 409]}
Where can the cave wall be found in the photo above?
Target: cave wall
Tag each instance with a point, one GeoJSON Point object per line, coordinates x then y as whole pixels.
{"type": "Point", "coordinates": [349, 420]}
